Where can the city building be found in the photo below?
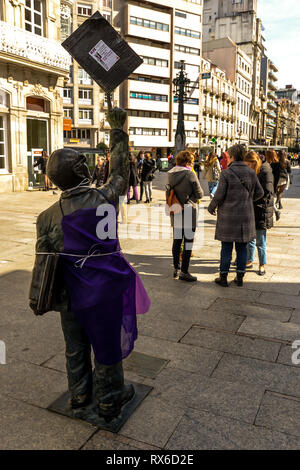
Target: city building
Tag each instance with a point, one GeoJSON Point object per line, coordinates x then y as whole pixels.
{"type": "Point", "coordinates": [33, 65]}
{"type": "Point", "coordinates": [290, 93]}
{"type": "Point", "coordinates": [84, 102]}
{"type": "Point", "coordinates": [162, 32]}
{"type": "Point", "coordinates": [238, 21]}
{"type": "Point", "coordinates": [218, 108]}
{"type": "Point", "coordinates": [238, 67]}
{"type": "Point", "coordinates": [269, 79]}
{"type": "Point", "coordinates": [287, 123]}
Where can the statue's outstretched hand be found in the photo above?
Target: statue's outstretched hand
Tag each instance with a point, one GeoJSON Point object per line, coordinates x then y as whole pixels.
{"type": "Point", "coordinates": [116, 118]}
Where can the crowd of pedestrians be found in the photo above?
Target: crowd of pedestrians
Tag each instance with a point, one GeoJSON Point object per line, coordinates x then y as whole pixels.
{"type": "Point", "coordinates": [246, 191]}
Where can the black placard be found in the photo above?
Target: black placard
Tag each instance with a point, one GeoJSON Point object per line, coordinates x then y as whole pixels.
{"type": "Point", "coordinates": [102, 52]}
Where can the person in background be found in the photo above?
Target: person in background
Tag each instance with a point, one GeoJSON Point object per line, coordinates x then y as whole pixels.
{"type": "Point", "coordinates": [42, 164]}
{"type": "Point", "coordinates": [212, 172]}
{"type": "Point", "coordinates": [273, 160]}
{"type": "Point", "coordinates": [133, 179]}
{"type": "Point", "coordinates": [238, 188]}
{"type": "Point", "coordinates": [140, 162]}
{"type": "Point", "coordinates": [99, 172]}
{"type": "Point", "coordinates": [147, 176]}
{"type": "Point", "coordinates": [263, 210]}
{"type": "Point", "coordinates": [224, 161]}
{"type": "Point", "coordinates": [285, 177]}
{"type": "Point", "coordinates": [197, 166]}
{"type": "Point", "coordinates": [188, 191]}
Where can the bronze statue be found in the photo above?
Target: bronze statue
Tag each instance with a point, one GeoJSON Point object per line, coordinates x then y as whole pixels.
{"type": "Point", "coordinates": [96, 291]}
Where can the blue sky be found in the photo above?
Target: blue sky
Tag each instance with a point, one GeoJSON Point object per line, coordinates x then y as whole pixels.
{"type": "Point", "coordinates": [281, 19]}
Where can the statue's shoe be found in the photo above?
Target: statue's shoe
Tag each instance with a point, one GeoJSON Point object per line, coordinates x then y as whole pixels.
{"type": "Point", "coordinates": [111, 405]}
{"type": "Point", "coordinates": [79, 401]}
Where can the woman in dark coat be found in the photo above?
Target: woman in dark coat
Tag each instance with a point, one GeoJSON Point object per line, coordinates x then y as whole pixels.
{"type": "Point", "coordinates": [42, 164]}
{"type": "Point", "coordinates": [278, 172]}
{"type": "Point", "coordinates": [263, 210]}
{"type": "Point", "coordinates": [238, 188]}
{"type": "Point", "coordinates": [133, 179]}
{"type": "Point", "coordinates": [188, 191]}
{"type": "Point", "coordinates": [285, 176]}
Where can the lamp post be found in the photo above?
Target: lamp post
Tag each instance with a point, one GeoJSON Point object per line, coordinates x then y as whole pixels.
{"type": "Point", "coordinates": [181, 84]}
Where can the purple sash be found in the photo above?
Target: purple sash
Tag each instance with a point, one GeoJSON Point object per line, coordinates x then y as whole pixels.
{"type": "Point", "coordinates": [106, 292]}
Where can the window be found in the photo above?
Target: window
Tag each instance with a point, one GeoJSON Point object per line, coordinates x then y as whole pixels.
{"type": "Point", "coordinates": [147, 79]}
{"type": "Point", "coordinates": [107, 16]}
{"type": "Point", "coordinates": [147, 131]}
{"type": "Point", "coordinates": [65, 22]}
{"type": "Point", "coordinates": [85, 115]}
{"type": "Point", "coordinates": [81, 134]}
{"type": "Point", "coordinates": [156, 62]}
{"type": "Point", "coordinates": [187, 117]}
{"type": "Point", "coordinates": [148, 96]}
{"type": "Point", "coordinates": [180, 14]}
{"type": "Point", "coordinates": [67, 95]}
{"type": "Point", "coordinates": [106, 3]}
{"type": "Point", "coordinates": [68, 113]}
{"type": "Point", "coordinates": [187, 50]}
{"type": "Point", "coordinates": [150, 114]}
{"type": "Point", "coordinates": [83, 77]}
{"type": "Point", "coordinates": [187, 32]}
{"type": "Point", "coordinates": [34, 16]}
{"type": "Point", "coordinates": [188, 100]}
{"type": "Point", "coordinates": [84, 10]}
{"type": "Point", "coordinates": [85, 95]}
{"type": "Point", "coordinates": [3, 156]}
{"type": "Point", "coordinates": [149, 24]}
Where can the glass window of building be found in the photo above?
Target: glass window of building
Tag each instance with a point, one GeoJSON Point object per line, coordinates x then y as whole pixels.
{"type": "Point", "coordinates": [34, 16]}
{"type": "Point", "coordinates": [83, 77]}
{"type": "Point", "coordinates": [84, 10]}
{"type": "Point", "coordinates": [85, 115]}
{"type": "Point", "coordinates": [65, 22]}
{"type": "Point", "coordinates": [3, 146]}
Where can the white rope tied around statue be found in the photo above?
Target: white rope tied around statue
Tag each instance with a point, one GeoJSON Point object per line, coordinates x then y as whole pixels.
{"type": "Point", "coordinates": [83, 258]}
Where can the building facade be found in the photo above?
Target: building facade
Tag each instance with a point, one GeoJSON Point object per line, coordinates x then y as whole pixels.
{"type": "Point", "coordinates": [218, 108]}
{"type": "Point", "coordinates": [287, 123]}
{"type": "Point", "coordinates": [238, 67]}
{"type": "Point", "coordinates": [162, 32]}
{"type": "Point", "coordinates": [290, 93]}
{"type": "Point", "coordinates": [238, 21]}
{"type": "Point", "coordinates": [33, 66]}
{"type": "Point", "coordinates": [269, 79]}
{"type": "Point", "coordinates": [84, 102]}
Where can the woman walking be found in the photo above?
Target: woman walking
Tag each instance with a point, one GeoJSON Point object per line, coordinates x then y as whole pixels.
{"type": "Point", "coordinates": [188, 191]}
{"type": "Point", "coordinates": [212, 171]}
{"type": "Point", "coordinates": [140, 162]}
{"type": "Point", "coordinates": [263, 210]}
{"type": "Point", "coordinates": [133, 179]}
{"type": "Point", "coordinates": [285, 177]}
{"type": "Point", "coordinates": [147, 176]}
{"type": "Point", "coordinates": [273, 160]}
{"type": "Point", "coordinates": [237, 189]}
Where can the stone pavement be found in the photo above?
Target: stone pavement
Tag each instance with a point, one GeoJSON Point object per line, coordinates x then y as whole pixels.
{"type": "Point", "coordinates": [219, 360]}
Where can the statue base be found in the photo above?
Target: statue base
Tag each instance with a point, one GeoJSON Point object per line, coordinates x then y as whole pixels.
{"type": "Point", "coordinates": [90, 413]}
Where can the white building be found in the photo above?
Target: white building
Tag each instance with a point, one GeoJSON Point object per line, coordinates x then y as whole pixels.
{"type": "Point", "coordinates": [163, 32]}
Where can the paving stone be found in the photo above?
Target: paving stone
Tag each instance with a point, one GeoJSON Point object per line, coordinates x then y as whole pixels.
{"type": "Point", "coordinates": [296, 317]}
{"type": "Point", "coordinates": [153, 422]}
{"type": "Point", "coordinates": [31, 383]}
{"type": "Point", "coordinates": [104, 440]}
{"type": "Point", "coordinates": [221, 396]}
{"type": "Point", "coordinates": [285, 356]}
{"type": "Point", "coordinates": [292, 301]}
{"type": "Point", "coordinates": [235, 344]}
{"type": "Point", "coordinates": [152, 326]}
{"type": "Point", "coordinates": [270, 329]}
{"type": "Point", "coordinates": [276, 377]}
{"type": "Point", "coordinates": [254, 310]}
{"type": "Point", "coordinates": [281, 413]}
{"type": "Point", "coordinates": [27, 427]}
{"type": "Point", "coordinates": [199, 430]}
{"type": "Point", "coordinates": [180, 355]}
{"type": "Point", "coordinates": [144, 364]}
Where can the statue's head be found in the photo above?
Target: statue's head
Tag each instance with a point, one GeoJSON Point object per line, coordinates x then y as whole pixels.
{"type": "Point", "coordinates": [66, 168]}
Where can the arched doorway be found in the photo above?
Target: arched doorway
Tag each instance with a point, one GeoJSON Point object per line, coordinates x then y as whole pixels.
{"type": "Point", "coordinates": [37, 136]}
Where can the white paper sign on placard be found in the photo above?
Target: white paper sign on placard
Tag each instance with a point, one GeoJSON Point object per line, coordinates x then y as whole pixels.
{"type": "Point", "coordinates": [104, 55]}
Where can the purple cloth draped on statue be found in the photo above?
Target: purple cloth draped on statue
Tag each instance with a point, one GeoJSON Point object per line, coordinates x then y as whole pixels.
{"type": "Point", "coordinates": [106, 292]}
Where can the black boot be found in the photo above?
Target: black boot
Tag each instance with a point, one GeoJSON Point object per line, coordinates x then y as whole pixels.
{"type": "Point", "coordinates": [79, 401]}
{"type": "Point", "coordinates": [110, 391]}
{"type": "Point", "coordinates": [222, 280]}
{"type": "Point", "coordinates": [239, 280]}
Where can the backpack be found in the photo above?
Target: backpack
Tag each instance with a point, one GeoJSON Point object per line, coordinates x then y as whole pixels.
{"type": "Point", "coordinates": [172, 200]}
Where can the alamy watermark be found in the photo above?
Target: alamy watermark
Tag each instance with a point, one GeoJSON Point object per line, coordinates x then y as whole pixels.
{"type": "Point", "coordinates": [296, 354]}
{"type": "Point", "coordinates": [2, 352]}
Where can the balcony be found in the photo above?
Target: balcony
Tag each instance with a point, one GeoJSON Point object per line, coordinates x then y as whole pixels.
{"type": "Point", "coordinates": [272, 86]}
{"type": "Point", "coordinates": [272, 95]}
{"type": "Point", "coordinates": [225, 97]}
{"type": "Point", "coordinates": [272, 105]}
{"type": "Point", "coordinates": [25, 48]}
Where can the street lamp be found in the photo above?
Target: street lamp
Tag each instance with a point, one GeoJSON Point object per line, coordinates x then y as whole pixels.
{"type": "Point", "coordinates": [181, 84]}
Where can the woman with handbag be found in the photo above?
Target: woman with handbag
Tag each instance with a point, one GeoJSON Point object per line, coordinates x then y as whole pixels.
{"type": "Point", "coordinates": [212, 171]}
{"type": "Point", "coordinates": [133, 179]}
{"type": "Point", "coordinates": [147, 176]}
{"type": "Point", "coordinates": [186, 191]}
{"type": "Point", "coordinates": [263, 211]}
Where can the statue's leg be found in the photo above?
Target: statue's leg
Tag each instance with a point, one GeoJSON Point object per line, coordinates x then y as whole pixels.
{"type": "Point", "coordinates": [78, 360]}
{"type": "Point", "coordinates": [110, 391]}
